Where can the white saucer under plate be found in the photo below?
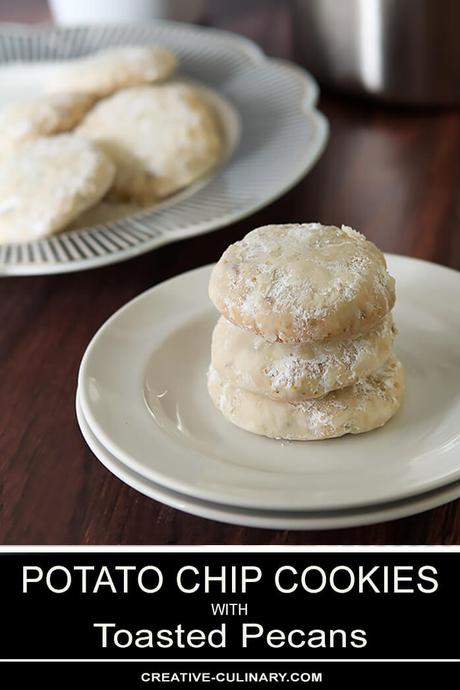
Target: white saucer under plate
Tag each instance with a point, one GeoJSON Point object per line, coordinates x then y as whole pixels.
{"type": "Point", "coordinates": [291, 520]}
{"type": "Point", "coordinates": [272, 131]}
{"type": "Point", "coordinates": [142, 384]}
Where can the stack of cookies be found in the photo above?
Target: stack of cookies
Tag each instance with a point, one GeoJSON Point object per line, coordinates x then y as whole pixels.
{"type": "Point", "coordinates": [303, 349]}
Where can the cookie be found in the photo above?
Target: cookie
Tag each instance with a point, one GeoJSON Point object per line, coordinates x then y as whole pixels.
{"type": "Point", "coordinates": [47, 183]}
{"type": "Point", "coordinates": [303, 282]}
{"type": "Point", "coordinates": [294, 372]}
{"type": "Point", "coordinates": [49, 114]}
{"type": "Point", "coordinates": [364, 406]}
{"type": "Point", "coordinates": [161, 138]}
{"type": "Point", "coordinates": [108, 71]}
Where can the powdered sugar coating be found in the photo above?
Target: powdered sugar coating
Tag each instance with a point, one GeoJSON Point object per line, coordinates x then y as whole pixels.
{"type": "Point", "coordinates": [364, 406]}
{"type": "Point", "coordinates": [161, 138]}
{"type": "Point", "coordinates": [303, 282]}
{"type": "Point", "coordinates": [294, 372]}
{"type": "Point", "coordinates": [112, 69]}
{"type": "Point", "coordinates": [47, 183]}
{"type": "Point", "coordinates": [41, 116]}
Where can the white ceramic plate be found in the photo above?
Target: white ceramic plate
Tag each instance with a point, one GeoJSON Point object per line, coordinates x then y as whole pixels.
{"type": "Point", "coordinates": [266, 519]}
{"type": "Point", "coordinates": [143, 391]}
{"type": "Point", "coordinates": [281, 136]}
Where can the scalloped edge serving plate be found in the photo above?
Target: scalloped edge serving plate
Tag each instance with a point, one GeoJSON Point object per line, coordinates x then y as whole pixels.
{"type": "Point", "coordinates": [281, 137]}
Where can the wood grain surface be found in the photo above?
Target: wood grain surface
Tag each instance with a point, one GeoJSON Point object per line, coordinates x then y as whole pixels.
{"type": "Point", "coordinates": [393, 174]}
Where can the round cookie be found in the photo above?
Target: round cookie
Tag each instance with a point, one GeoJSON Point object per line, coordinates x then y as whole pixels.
{"type": "Point", "coordinates": [366, 405]}
{"type": "Point", "coordinates": [42, 116]}
{"type": "Point", "coordinates": [294, 372]}
{"type": "Point", "coordinates": [161, 138]}
{"type": "Point", "coordinates": [303, 282]}
{"type": "Point", "coordinates": [47, 183]}
{"type": "Point", "coordinates": [115, 68]}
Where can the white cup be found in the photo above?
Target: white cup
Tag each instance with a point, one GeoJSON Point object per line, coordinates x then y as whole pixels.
{"type": "Point", "coordinates": [124, 11]}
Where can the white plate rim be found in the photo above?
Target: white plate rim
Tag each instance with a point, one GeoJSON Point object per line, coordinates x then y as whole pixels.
{"type": "Point", "coordinates": [199, 492]}
{"type": "Point", "coordinates": [260, 519]}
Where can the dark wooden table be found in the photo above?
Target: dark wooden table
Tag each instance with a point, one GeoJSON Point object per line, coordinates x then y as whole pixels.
{"type": "Point", "coordinates": [393, 174]}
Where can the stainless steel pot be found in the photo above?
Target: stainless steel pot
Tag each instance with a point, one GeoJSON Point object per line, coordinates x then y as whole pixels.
{"type": "Point", "coordinates": [403, 51]}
